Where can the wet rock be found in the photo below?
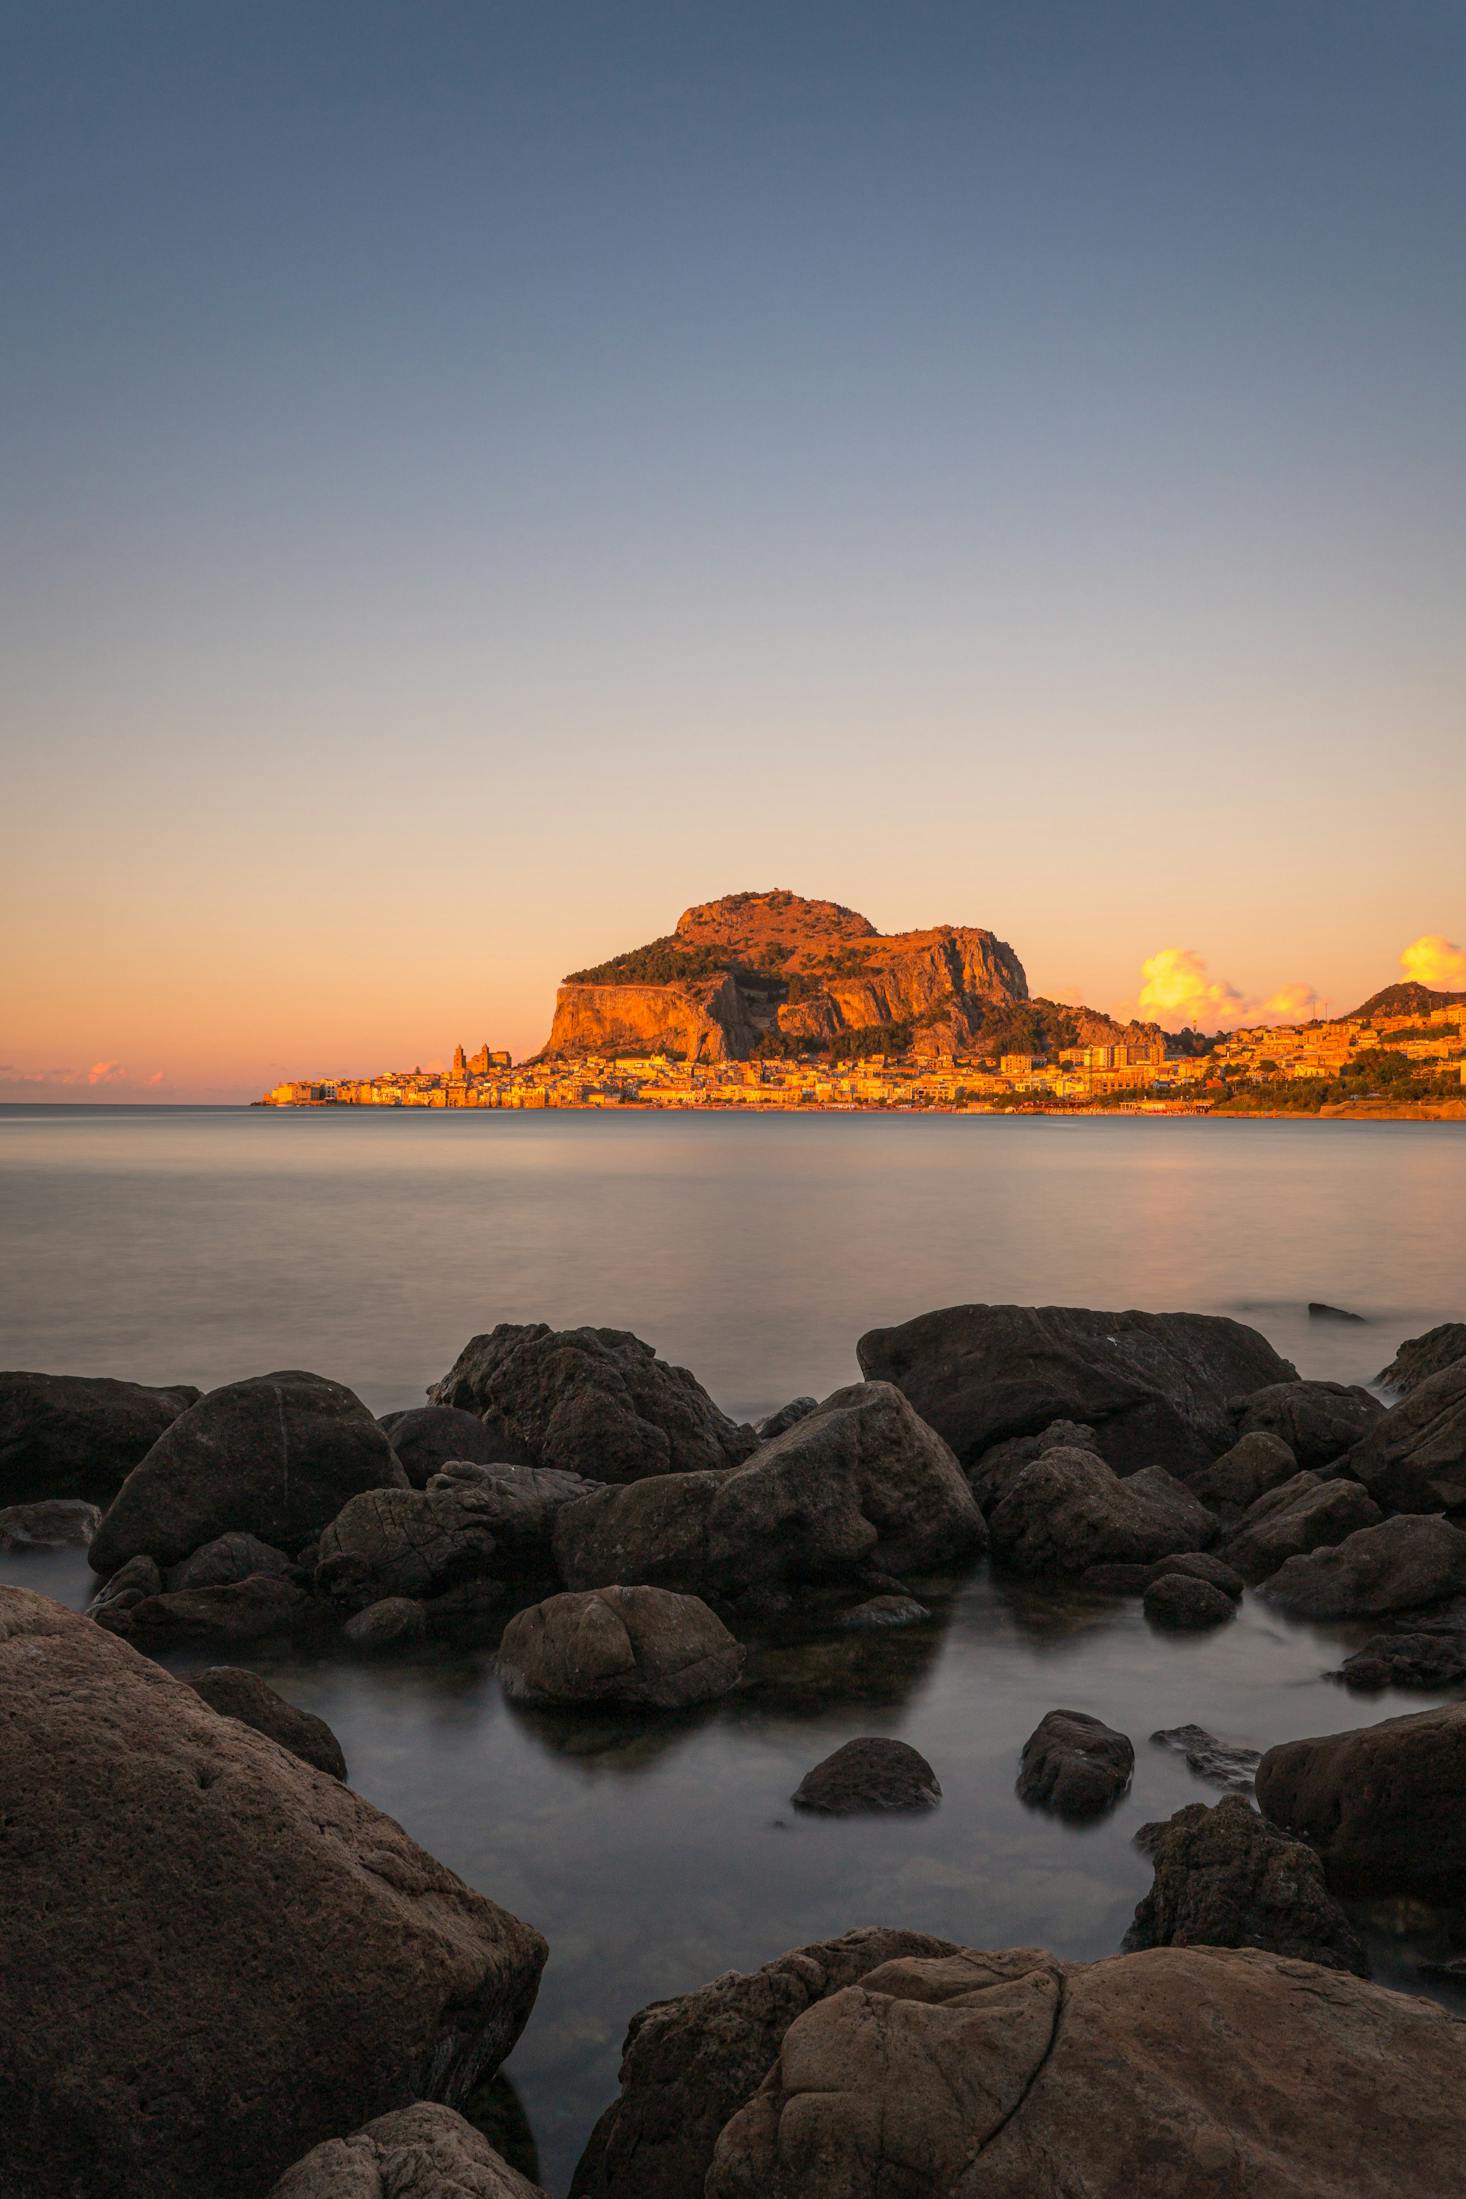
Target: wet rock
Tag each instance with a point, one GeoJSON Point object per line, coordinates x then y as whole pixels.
{"type": "Point", "coordinates": [995, 1472]}
{"type": "Point", "coordinates": [405, 1542]}
{"type": "Point", "coordinates": [52, 1523]}
{"type": "Point", "coordinates": [231, 1558]}
{"type": "Point", "coordinates": [466, 1611]}
{"type": "Point", "coordinates": [396, 1619]}
{"type": "Point", "coordinates": [1414, 1457]}
{"type": "Point", "coordinates": [327, 1966]}
{"type": "Point", "coordinates": [419, 2152]}
{"type": "Point", "coordinates": [878, 1612]}
{"type": "Point", "coordinates": [1256, 1463]}
{"type": "Point", "coordinates": [1384, 1805]}
{"type": "Point", "coordinates": [689, 2064]}
{"type": "Point", "coordinates": [1406, 1660]}
{"type": "Point", "coordinates": [427, 1438]}
{"type": "Point", "coordinates": [1229, 1764]}
{"type": "Point", "coordinates": [1319, 1421]}
{"type": "Point", "coordinates": [1319, 1311]}
{"type": "Point", "coordinates": [861, 1483]}
{"type": "Point", "coordinates": [1154, 1386]}
{"type": "Point", "coordinates": [1174, 2073]}
{"type": "Point", "coordinates": [869, 1774]}
{"type": "Point", "coordinates": [797, 1409]}
{"type": "Point", "coordinates": [619, 1645]}
{"type": "Point", "coordinates": [234, 1693]}
{"type": "Point", "coordinates": [125, 1588]}
{"type": "Point", "coordinates": [1133, 1580]}
{"type": "Point", "coordinates": [1074, 1765]}
{"type": "Point", "coordinates": [1223, 1878]}
{"type": "Point", "coordinates": [594, 1401]}
{"type": "Point", "coordinates": [277, 1455]}
{"type": "Point", "coordinates": [1407, 1561]}
{"type": "Point", "coordinates": [1184, 1604]}
{"type": "Point", "coordinates": [1069, 1510]}
{"type": "Point", "coordinates": [74, 1435]}
{"type": "Point", "coordinates": [1306, 1513]}
{"type": "Point", "coordinates": [520, 1504]}
{"type": "Point", "coordinates": [232, 1611]}
{"type": "Point", "coordinates": [1420, 1357]}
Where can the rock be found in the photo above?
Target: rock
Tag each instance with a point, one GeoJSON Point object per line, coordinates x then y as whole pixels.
{"type": "Point", "coordinates": [878, 1612]}
{"type": "Point", "coordinates": [427, 1438]}
{"type": "Point", "coordinates": [596, 1402]}
{"type": "Point", "coordinates": [996, 1471]}
{"type": "Point", "coordinates": [126, 1588]}
{"type": "Point", "coordinates": [1225, 1879]}
{"type": "Point", "coordinates": [1319, 1421]}
{"type": "Point", "coordinates": [1184, 1604]}
{"type": "Point", "coordinates": [619, 1645]}
{"type": "Point", "coordinates": [519, 1503]}
{"type": "Point", "coordinates": [1228, 1764]}
{"type": "Point", "coordinates": [53, 1523]}
{"type": "Point", "coordinates": [279, 1958]}
{"type": "Point", "coordinates": [1256, 1463]}
{"type": "Point", "coordinates": [1406, 1660]}
{"type": "Point", "coordinates": [1074, 1765]}
{"type": "Point", "coordinates": [419, 2152]}
{"type": "Point", "coordinates": [1133, 1580]}
{"type": "Point", "coordinates": [1069, 1510]}
{"type": "Point", "coordinates": [860, 1484]}
{"type": "Point", "coordinates": [869, 1774]}
{"type": "Point", "coordinates": [277, 1455]}
{"type": "Point", "coordinates": [404, 1542]}
{"type": "Point", "coordinates": [1304, 1514]}
{"type": "Point", "coordinates": [1153, 1386]}
{"type": "Point", "coordinates": [1174, 2073]}
{"type": "Point", "coordinates": [76, 1435]}
{"type": "Point", "coordinates": [690, 2063]}
{"type": "Point", "coordinates": [1407, 1561]}
{"type": "Point", "coordinates": [1414, 1457]}
{"type": "Point", "coordinates": [1384, 1805]}
{"type": "Point", "coordinates": [244, 1695]}
{"type": "Point", "coordinates": [1423, 1356]}
{"type": "Point", "coordinates": [231, 1558]}
{"type": "Point", "coordinates": [469, 1608]}
{"type": "Point", "coordinates": [1318, 1311]}
{"type": "Point", "coordinates": [798, 1408]}
{"type": "Point", "coordinates": [232, 1611]}
{"type": "Point", "coordinates": [382, 1625]}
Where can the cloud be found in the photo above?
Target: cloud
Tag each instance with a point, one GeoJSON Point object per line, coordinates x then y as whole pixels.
{"type": "Point", "coordinates": [106, 1072]}
{"type": "Point", "coordinates": [1436, 961]}
{"type": "Point", "coordinates": [1293, 1004]}
{"type": "Point", "coordinates": [157, 1077]}
{"type": "Point", "coordinates": [1177, 989]}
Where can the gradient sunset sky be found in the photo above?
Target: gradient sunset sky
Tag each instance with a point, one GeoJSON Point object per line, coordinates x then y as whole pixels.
{"type": "Point", "coordinates": [483, 474]}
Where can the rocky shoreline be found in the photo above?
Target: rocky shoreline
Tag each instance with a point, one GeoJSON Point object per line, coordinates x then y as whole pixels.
{"type": "Point", "coordinates": [297, 1991]}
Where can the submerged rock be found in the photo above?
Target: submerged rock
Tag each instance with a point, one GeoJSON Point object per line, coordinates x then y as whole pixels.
{"type": "Point", "coordinates": [1184, 1604]}
{"type": "Point", "coordinates": [52, 1523]}
{"type": "Point", "coordinates": [1406, 1660]}
{"type": "Point", "coordinates": [230, 1611]}
{"type": "Point", "coordinates": [1319, 1311]}
{"type": "Point", "coordinates": [1319, 1421]}
{"type": "Point", "coordinates": [869, 1774]}
{"type": "Point", "coordinates": [1228, 1764]}
{"type": "Point", "coordinates": [125, 1588]}
{"type": "Point", "coordinates": [427, 1438]}
{"type": "Point", "coordinates": [1414, 1457]}
{"type": "Point", "coordinates": [1133, 1580]}
{"type": "Point", "coordinates": [279, 1959]}
{"type": "Point", "coordinates": [234, 1693]}
{"type": "Point", "coordinates": [878, 1612]}
{"type": "Point", "coordinates": [419, 2152]}
{"type": "Point", "coordinates": [619, 1645]}
{"type": "Point", "coordinates": [1223, 1878]}
{"type": "Point", "coordinates": [1304, 1514]}
{"type": "Point", "coordinates": [75, 1435]}
{"type": "Point", "coordinates": [1074, 1764]}
{"type": "Point", "coordinates": [1069, 1510]}
{"type": "Point", "coordinates": [1420, 1357]}
{"type": "Point", "coordinates": [1404, 1562]}
{"type": "Point", "coordinates": [1384, 1805]}
{"type": "Point", "coordinates": [383, 1625]}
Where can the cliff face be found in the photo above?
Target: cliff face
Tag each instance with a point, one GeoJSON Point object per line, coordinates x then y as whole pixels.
{"type": "Point", "coordinates": [776, 971]}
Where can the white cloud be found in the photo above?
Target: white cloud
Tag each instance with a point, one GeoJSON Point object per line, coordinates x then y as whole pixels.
{"type": "Point", "coordinates": [1436, 961]}
{"type": "Point", "coordinates": [1177, 989]}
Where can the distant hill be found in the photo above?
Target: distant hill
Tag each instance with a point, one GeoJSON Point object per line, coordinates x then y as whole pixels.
{"type": "Point", "coordinates": [1409, 998]}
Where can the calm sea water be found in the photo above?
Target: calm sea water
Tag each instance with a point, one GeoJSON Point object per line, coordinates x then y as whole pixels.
{"type": "Point", "coordinates": [198, 1246]}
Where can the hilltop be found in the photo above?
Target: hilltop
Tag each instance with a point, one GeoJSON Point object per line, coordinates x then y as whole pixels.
{"type": "Point", "coordinates": [1409, 998]}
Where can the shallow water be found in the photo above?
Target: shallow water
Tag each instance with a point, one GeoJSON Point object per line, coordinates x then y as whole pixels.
{"type": "Point", "coordinates": [654, 1853]}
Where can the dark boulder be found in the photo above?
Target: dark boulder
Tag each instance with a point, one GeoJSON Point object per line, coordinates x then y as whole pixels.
{"type": "Point", "coordinates": [1223, 1878]}
{"type": "Point", "coordinates": [393, 1622]}
{"type": "Point", "coordinates": [1133, 1580]}
{"type": "Point", "coordinates": [798, 1408]}
{"type": "Point", "coordinates": [232, 1611]}
{"type": "Point", "coordinates": [519, 1503]}
{"type": "Point", "coordinates": [1229, 1764]}
{"type": "Point", "coordinates": [77, 1435]}
{"type": "Point", "coordinates": [1319, 1311]}
{"type": "Point", "coordinates": [879, 1612]}
{"type": "Point", "coordinates": [214, 1956]}
{"type": "Point", "coordinates": [234, 1693]}
{"type": "Point", "coordinates": [1319, 1421]}
{"type": "Point", "coordinates": [861, 1484]}
{"type": "Point", "coordinates": [1154, 1386]}
{"type": "Point", "coordinates": [1256, 1463]}
{"type": "Point", "coordinates": [418, 2152]}
{"type": "Point", "coordinates": [995, 1472]}
{"type": "Point", "coordinates": [1414, 1457]}
{"type": "Point", "coordinates": [619, 1645]}
{"type": "Point", "coordinates": [125, 1588]}
{"type": "Point", "coordinates": [1384, 1805]}
{"type": "Point", "coordinates": [1182, 1604]}
{"type": "Point", "coordinates": [277, 1455]}
{"type": "Point", "coordinates": [1304, 1514]}
{"type": "Point", "coordinates": [1069, 1510]}
{"type": "Point", "coordinates": [598, 1402]}
{"type": "Point", "coordinates": [1400, 1565]}
{"type": "Point", "coordinates": [1074, 1765]}
{"type": "Point", "coordinates": [427, 1438]}
{"type": "Point", "coordinates": [1420, 1357]}
{"type": "Point", "coordinates": [52, 1523]}
{"type": "Point", "coordinates": [871, 1773]}
{"type": "Point", "coordinates": [1434, 1661]}
{"type": "Point", "coordinates": [404, 1542]}
{"type": "Point", "coordinates": [231, 1558]}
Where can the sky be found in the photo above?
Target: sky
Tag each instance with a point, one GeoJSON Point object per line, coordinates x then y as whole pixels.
{"type": "Point", "coordinates": [481, 475]}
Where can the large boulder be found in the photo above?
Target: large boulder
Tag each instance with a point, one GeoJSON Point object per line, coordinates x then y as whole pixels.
{"type": "Point", "coordinates": [1420, 1357]}
{"type": "Point", "coordinates": [1176, 2073]}
{"type": "Point", "coordinates": [1069, 1510]}
{"type": "Point", "coordinates": [598, 1402]}
{"type": "Point", "coordinates": [1224, 1878]}
{"type": "Point", "coordinates": [1319, 1421]}
{"type": "Point", "coordinates": [77, 1435]}
{"type": "Point", "coordinates": [227, 1611]}
{"type": "Point", "coordinates": [418, 2152]}
{"type": "Point", "coordinates": [277, 1455]}
{"type": "Point", "coordinates": [1182, 1604]}
{"type": "Point", "coordinates": [1074, 1764]}
{"type": "Point", "coordinates": [870, 1773]}
{"type": "Point", "coordinates": [688, 2064]}
{"type": "Point", "coordinates": [519, 1503]}
{"type": "Point", "coordinates": [1400, 1565]}
{"type": "Point", "coordinates": [860, 1484]}
{"type": "Point", "coordinates": [1303, 1514]}
{"type": "Point", "coordinates": [235, 1693]}
{"type": "Point", "coordinates": [404, 1542]}
{"type": "Point", "coordinates": [619, 1645]}
{"type": "Point", "coordinates": [215, 1956]}
{"type": "Point", "coordinates": [427, 1438]}
{"type": "Point", "coordinates": [1414, 1457]}
{"type": "Point", "coordinates": [1257, 1462]}
{"type": "Point", "coordinates": [1385, 1805]}
{"type": "Point", "coordinates": [1155, 1387]}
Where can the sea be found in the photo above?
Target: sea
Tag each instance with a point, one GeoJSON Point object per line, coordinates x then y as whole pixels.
{"type": "Point", "coordinates": [200, 1245]}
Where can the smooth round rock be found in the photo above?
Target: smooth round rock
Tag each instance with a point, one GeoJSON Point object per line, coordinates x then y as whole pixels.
{"type": "Point", "coordinates": [869, 1774]}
